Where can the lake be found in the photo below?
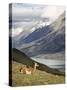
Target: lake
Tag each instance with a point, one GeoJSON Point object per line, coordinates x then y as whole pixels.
{"type": "Point", "coordinates": [56, 64]}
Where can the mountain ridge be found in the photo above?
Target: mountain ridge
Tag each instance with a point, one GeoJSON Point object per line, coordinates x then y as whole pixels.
{"type": "Point", "coordinates": [50, 42]}
{"type": "Point", "coordinates": [22, 58]}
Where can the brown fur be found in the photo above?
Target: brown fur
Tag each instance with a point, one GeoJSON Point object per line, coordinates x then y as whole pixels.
{"type": "Point", "coordinates": [28, 70]}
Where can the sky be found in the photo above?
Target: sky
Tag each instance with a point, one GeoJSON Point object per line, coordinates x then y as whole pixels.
{"type": "Point", "coordinates": [26, 16]}
{"type": "Point", "coordinates": [34, 11]}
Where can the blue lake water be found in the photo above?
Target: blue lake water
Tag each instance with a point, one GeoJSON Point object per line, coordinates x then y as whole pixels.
{"type": "Point", "coordinates": [56, 64]}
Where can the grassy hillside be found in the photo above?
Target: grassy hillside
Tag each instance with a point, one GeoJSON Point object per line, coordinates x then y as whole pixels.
{"type": "Point", "coordinates": [43, 75]}
{"type": "Point", "coordinates": [38, 78]}
{"type": "Point", "coordinates": [20, 57]}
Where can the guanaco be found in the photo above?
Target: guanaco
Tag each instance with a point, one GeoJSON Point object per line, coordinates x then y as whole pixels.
{"type": "Point", "coordinates": [28, 70]}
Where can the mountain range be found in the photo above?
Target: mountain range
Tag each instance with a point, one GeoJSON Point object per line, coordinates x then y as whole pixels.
{"type": "Point", "coordinates": [45, 39]}
{"type": "Point", "coordinates": [44, 42]}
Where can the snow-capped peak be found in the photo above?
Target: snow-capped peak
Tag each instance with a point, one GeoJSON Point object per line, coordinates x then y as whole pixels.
{"type": "Point", "coordinates": [41, 24]}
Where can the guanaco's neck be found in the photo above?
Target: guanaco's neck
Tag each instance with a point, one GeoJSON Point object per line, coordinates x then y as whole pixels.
{"type": "Point", "coordinates": [34, 68]}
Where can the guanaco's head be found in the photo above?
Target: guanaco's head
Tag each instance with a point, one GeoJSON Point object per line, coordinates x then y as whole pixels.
{"type": "Point", "coordinates": [36, 64]}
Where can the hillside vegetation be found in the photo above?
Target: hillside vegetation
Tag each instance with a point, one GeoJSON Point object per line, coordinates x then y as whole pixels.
{"type": "Point", "coordinates": [42, 76]}
{"type": "Point", "coordinates": [38, 78]}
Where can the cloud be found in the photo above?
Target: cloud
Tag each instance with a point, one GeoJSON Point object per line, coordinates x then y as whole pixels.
{"type": "Point", "coordinates": [31, 11]}
{"type": "Point", "coordinates": [26, 11]}
{"type": "Point", "coordinates": [16, 32]}
{"type": "Point", "coordinates": [26, 16]}
{"type": "Point", "coordinates": [52, 12]}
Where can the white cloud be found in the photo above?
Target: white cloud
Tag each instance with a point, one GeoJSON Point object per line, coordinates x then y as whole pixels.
{"type": "Point", "coordinates": [36, 11]}
{"type": "Point", "coordinates": [52, 12]}
{"type": "Point", "coordinates": [16, 31]}
{"type": "Point", "coordinates": [24, 11]}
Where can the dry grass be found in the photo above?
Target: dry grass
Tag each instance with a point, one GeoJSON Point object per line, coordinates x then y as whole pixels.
{"type": "Point", "coordinates": [38, 78]}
